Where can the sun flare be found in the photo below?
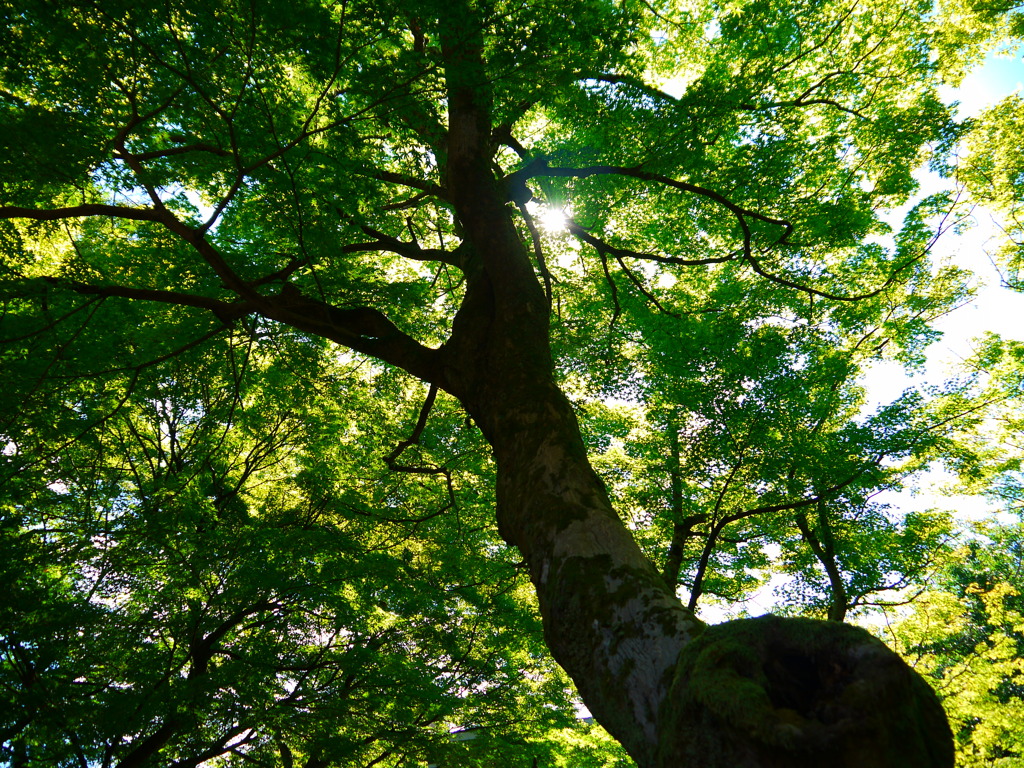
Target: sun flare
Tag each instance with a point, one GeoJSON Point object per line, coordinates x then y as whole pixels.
{"type": "Point", "coordinates": [553, 219]}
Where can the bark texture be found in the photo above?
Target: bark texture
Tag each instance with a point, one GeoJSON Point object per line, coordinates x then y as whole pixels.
{"type": "Point", "coordinates": [772, 692]}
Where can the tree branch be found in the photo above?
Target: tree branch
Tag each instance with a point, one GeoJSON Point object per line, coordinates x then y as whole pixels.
{"type": "Point", "coordinates": [157, 154]}
{"type": "Point", "coordinates": [393, 244]}
{"type": "Point", "coordinates": [407, 181]}
{"type": "Point", "coordinates": [363, 329]}
{"type": "Point", "coordinates": [159, 215]}
{"type": "Point", "coordinates": [538, 250]}
{"type": "Point", "coordinates": [225, 311]}
{"type": "Point", "coordinates": [717, 529]}
{"type": "Point", "coordinates": [607, 248]}
{"type": "Point", "coordinates": [421, 423]}
{"type": "Point", "coordinates": [824, 550]}
{"type": "Point", "coordinates": [539, 167]}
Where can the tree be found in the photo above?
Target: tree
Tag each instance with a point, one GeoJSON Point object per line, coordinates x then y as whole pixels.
{"type": "Point", "coordinates": [372, 176]}
{"type": "Point", "coordinates": [966, 639]}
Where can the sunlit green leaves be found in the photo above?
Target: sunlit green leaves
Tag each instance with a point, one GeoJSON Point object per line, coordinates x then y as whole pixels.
{"type": "Point", "coordinates": [966, 640]}
{"type": "Point", "coordinates": [223, 533]}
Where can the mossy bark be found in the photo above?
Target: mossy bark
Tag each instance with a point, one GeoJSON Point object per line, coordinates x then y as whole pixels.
{"type": "Point", "coordinates": [778, 692]}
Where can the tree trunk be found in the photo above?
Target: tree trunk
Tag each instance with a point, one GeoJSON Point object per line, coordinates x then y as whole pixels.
{"type": "Point", "coordinates": [759, 692]}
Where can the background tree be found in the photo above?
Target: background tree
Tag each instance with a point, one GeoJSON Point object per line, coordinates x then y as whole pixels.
{"type": "Point", "coordinates": [966, 637]}
{"type": "Point", "coordinates": [181, 175]}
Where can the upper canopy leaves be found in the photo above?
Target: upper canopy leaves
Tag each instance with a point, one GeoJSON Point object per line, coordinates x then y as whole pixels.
{"type": "Point", "coordinates": [195, 196]}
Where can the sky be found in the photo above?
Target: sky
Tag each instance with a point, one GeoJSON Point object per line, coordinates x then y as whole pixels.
{"type": "Point", "coordinates": [994, 308]}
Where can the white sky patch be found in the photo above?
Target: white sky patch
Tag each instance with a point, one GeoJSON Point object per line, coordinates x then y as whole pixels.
{"type": "Point", "coordinates": [934, 492]}
{"type": "Point", "coordinates": [995, 308]}
{"type": "Point", "coordinates": [1000, 75]}
{"type": "Point", "coordinates": [205, 209]}
{"type": "Point", "coordinates": [675, 86]}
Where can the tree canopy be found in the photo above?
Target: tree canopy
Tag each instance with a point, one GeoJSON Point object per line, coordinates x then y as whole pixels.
{"type": "Point", "coordinates": [361, 360]}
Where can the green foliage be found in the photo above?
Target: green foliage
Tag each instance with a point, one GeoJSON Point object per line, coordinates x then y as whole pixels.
{"type": "Point", "coordinates": [966, 633]}
{"type": "Point", "coordinates": [200, 546]}
{"type": "Point", "coordinates": [994, 173]}
{"type": "Point", "coordinates": [968, 641]}
{"type": "Point", "coordinates": [228, 539]}
{"type": "Point", "coordinates": [966, 30]}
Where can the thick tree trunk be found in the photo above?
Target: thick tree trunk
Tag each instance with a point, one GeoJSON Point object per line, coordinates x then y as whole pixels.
{"type": "Point", "coordinates": [762, 692]}
{"type": "Point", "coordinates": [758, 693]}
{"type": "Point", "coordinates": [609, 618]}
